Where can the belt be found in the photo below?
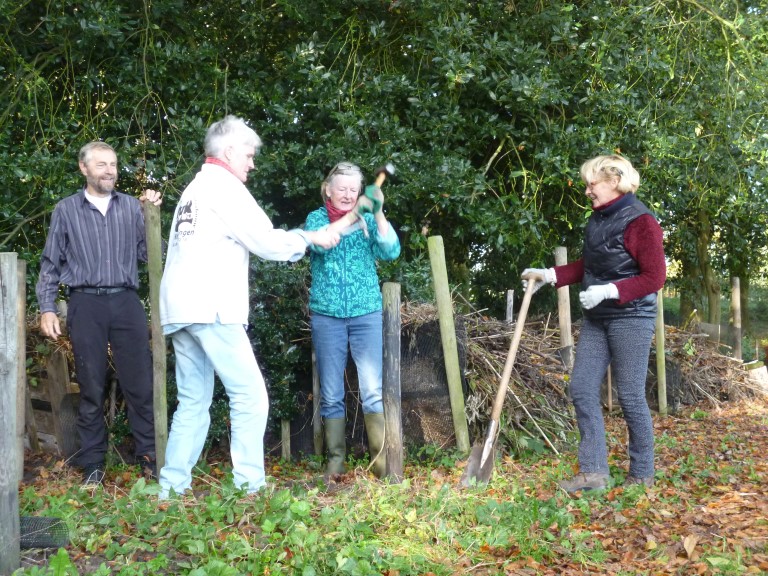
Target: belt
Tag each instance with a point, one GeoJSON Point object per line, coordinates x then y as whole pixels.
{"type": "Point", "coordinates": [101, 291]}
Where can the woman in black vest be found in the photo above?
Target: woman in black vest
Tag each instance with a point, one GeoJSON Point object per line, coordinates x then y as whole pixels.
{"type": "Point", "coordinates": [621, 269]}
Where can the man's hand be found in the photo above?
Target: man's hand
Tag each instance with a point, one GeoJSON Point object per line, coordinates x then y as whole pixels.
{"type": "Point", "coordinates": [49, 325]}
{"type": "Point", "coordinates": [540, 276]}
{"type": "Point", "coordinates": [324, 238]}
{"type": "Point", "coordinates": [376, 196]}
{"type": "Point", "coordinates": [151, 195]}
{"type": "Point", "coordinates": [593, 295]}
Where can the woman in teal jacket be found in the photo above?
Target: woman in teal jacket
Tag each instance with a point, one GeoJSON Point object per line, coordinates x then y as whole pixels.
{"type": "Point", "coordinates": [345, 307]}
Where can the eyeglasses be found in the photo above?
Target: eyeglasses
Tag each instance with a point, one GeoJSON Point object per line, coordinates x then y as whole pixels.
{"type": "Point", "coordinates": [343, 168]}
{"type": "Point", "coordinates": [612, 170]}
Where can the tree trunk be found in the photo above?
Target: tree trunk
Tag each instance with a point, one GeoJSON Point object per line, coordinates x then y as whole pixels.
{"type": "Point", "coordinates": [688, 292]}
{"type": "Point", "coordinates": [709, 279]}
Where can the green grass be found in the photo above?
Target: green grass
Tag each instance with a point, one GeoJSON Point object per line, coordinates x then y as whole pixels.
{"type": "Point", "coordinates": [425, 525]}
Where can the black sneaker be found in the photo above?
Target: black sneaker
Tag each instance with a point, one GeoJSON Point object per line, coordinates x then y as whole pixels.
{"type": "Point", "coordinates": [93, 474]}
{"type": "Point", "coordinates": [148, 467]}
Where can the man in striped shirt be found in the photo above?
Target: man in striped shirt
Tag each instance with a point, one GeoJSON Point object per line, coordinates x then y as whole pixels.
{"type": "Point", "coordinates": [95, 239]}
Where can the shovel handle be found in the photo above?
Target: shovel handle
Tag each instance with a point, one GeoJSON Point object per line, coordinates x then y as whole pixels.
{"type": "Point", "coordinates": [498, 403]}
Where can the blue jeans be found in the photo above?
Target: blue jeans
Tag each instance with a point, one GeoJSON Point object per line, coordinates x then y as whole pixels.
{"type": "Point", "coordinates": [200, 350]}
{"type": "Point", "coordinates": [333, 338]}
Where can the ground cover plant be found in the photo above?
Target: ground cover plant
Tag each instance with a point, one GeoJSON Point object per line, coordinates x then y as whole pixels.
{"type": "Point", "coordinates": [706, 514]}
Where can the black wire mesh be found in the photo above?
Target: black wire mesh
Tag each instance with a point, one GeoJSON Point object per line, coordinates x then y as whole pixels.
{"type": "Point", "coordinates": [42, 532]}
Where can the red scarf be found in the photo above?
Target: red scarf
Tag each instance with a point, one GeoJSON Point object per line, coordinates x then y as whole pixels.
{"type": "Point", "coordinates": [217, 162]}
{"type": "Point", "coordinates": [333, 212]}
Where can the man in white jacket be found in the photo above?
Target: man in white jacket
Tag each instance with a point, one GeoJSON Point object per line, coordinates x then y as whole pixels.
{"type": "Point", "coordinates": [204, 305]}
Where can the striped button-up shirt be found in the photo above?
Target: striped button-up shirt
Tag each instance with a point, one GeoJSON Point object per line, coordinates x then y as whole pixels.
{"type": "Point", "coordinates": [86, 248]}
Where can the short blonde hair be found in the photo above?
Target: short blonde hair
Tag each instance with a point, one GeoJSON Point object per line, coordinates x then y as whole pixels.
{"type": "Point", "coordinates": [341, 169]}
{"type": "Point", "coordinates": [611, 166]}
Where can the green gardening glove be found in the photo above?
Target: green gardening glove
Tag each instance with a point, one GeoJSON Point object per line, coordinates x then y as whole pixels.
{"type": "Point", "coordinates": [364, 206]}
{"type": "Point", "coordinates": [376, 196]}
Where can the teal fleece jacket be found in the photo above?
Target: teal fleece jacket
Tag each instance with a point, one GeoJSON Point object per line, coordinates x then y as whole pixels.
{"type": "Point", "coordinates": [345, 283]}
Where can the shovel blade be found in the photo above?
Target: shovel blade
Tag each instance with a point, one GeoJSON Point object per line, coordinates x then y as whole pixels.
{"type": "Point", "coordinates": [474, 473]}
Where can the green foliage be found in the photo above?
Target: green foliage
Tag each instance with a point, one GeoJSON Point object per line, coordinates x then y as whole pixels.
{"type": "Point", "coordinates": [279, 331]}
{"type": "Point", "coordinates": [423, 525]}
{"type": "Point", "coordinates": [487, 109]}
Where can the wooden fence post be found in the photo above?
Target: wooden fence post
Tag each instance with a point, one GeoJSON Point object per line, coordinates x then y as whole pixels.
{"type": "Point", "coordinates": [391, 382]}
{"type": "Point", "coordinates": [510, 315]}
{"type": "Point", "coordinates": [736, 317]}
{"type": "Point", "coordinates": [448, 337]}
{"type": "Point", "coordinates": [27, 422]}
{"type": "Point", "coordinates": [21, 363]}
{"type": "Point", "coordinates": [155, 270]}
{"type": "Point", "coordinates": [564, 313]}
{"type": "Point", "coordinates": [285, 439]}
{"type": "Point", "coordinates": [10, 551]}
{"type": "Point", "coordinates": [661, 361]}
{"type": "Point", "coordinates": [317, 421]}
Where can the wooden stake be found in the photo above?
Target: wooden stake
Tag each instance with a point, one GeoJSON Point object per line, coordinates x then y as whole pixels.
{"type": "Point", "coordinates": [448, 337]}
{"type": "Point", "coordinates": [21, 363]}
{"type": "Point", "coordinates": [10, 551]}
{"type": "Point", "coordinates": [736, 316]}
{"type": "Point", "coordinates": [393, 443]}
{"type": "Point", "coordinates": [155, 269]}
{"type": "Point", "coordinates": [317, 421]}
{"type": "Point", "coordinates": [661, 363]}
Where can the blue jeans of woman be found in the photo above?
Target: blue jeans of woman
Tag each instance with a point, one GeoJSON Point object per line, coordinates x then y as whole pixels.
{"type": "Point", "coordinates": [201, 350]}
{"type": "Point", "coordinates": [333, 339]}
{"type": "Point", "coordinates": [624, 343]}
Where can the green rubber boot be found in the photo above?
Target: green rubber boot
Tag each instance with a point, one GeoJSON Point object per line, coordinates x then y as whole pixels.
{"type": "Point", "coordinates": [335, 444]}
{"type": "Point", "coordinates": [375, 427]}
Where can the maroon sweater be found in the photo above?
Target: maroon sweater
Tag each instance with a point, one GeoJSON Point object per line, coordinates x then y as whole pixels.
{"type": "Point", "coordinates": [644, 241]}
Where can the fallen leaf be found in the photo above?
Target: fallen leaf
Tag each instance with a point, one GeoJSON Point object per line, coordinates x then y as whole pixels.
{"type": "Point", "coordinates": [689, 543]}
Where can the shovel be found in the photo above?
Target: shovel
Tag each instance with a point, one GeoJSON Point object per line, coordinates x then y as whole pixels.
{"type": "Point", "coordinates": [480, 464]}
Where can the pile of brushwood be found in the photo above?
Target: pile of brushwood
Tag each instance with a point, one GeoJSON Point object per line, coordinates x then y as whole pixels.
{"type": "Point", "coordinates": [537, 412]}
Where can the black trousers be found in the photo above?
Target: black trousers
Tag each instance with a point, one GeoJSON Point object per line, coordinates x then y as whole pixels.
{"type": "Point", "coordinates": [97, 323]}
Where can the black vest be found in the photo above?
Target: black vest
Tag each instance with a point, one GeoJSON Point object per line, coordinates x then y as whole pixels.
{"type": "Point", "coordinates": [606, 258]}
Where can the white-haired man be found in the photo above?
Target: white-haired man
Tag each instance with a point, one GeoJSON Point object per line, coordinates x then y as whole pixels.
{"type": "Point", "coordinates": [204, 305]}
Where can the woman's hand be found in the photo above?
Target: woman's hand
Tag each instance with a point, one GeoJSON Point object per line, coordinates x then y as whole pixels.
{"type": "Point", "coordinates": [593, 295]}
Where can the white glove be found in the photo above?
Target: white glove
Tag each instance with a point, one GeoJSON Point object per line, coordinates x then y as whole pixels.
{"type": "Point", "coordinates": [544, 276]}
{"type": "Point", "coordinates": [593, 295]}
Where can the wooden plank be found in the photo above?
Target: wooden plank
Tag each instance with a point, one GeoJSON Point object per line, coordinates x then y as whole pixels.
{"type": "Point", "coordinates": [448, 337]}
{"type": "Point", "coordinates": [58, 380]}
{"type": "Point", "coordinates": [391, 392]}
{"type": "Point", "coordinates": [10, 554]}
{"type": "Point", "coordinates": [43, 419]}
{"type": "Point", "coordinates": [30, 423]}
{"type": "Point", "coordinates": [155, 270]}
